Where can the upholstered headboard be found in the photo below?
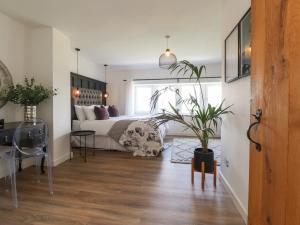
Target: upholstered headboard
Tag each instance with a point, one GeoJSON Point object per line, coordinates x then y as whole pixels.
{"type": "Point", "coordinates": [87, 97]}
{"type": "Point", "coordinates": [90, 92]}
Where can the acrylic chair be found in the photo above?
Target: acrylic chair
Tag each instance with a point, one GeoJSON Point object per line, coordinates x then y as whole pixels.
{"type": "Point", "coordinates": [30, 141]}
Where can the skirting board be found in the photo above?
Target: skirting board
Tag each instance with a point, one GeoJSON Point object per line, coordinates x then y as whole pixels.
{"type": "Point", "coordinates": [61, 159]}
{"type": "Point", "coordinates": [29, 162]}
{"type": "Point", "coordinates": [4, 171]}
{"type": "Point", "coordinates": [235, 198]}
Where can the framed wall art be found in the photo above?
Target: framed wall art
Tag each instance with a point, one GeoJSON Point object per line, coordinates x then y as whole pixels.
{"type": "Point", "coordinates": [245, 54]}
{"type": "Point", "coordinates": [5, 82]}
{"type": "Point", "coordinates": [238, 50]}
{"type": "Point", "coordinates": [232, 55]}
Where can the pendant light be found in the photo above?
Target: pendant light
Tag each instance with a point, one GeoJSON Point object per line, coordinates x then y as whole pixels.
{"type": "Point", "coordinates": [167, 58]}
{"type": "Point", "coordinates": [77, 90]}
{"type": "Point", "coordinates": [105, 68]}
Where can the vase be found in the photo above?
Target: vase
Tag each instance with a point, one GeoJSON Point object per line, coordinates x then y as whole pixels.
{"type": "Point", "coordinates": [29, 112]}
{"type": "Point", "coordinates": [207, 157]}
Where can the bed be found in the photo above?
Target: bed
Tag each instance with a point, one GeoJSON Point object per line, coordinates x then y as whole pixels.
{"type": "Point", "coordinates": [136, 134]}
{"type": "Point", "coordinates": [103, 139]}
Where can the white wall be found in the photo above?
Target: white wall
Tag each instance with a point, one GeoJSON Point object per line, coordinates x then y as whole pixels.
{"type": "Point", "coordinates": [46, 54]}
{"type": "Point", "coordinates": [13, 48]}
{"type": "Point", "coordinates": [86, 67]}
{"type": "Point", "coordinates": [61, 103]}
{"type": "Point", "coordinates": [65, 61]}
{"type": "Point", "coordinates": [235, 145]}
{"type": "Point", "coordinates": [40, 60]}
{"type": "Point", "coordinates": [51, 61]}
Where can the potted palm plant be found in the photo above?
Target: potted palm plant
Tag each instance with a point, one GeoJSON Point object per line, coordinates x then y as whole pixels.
{"type": "Point", "coordinates": [203, 117]}
{"type": "Point", "coordinates": [29, 95]}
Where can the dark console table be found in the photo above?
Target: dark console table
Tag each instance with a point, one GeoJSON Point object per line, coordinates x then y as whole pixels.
{"type": "Point", "coordinates": [6, 139]}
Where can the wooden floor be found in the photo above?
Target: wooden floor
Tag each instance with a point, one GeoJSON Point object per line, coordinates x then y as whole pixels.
{"type": "Point", "coordinates": [113, 188]}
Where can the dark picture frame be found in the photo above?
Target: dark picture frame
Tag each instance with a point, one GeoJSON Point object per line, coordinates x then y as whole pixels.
{"type": "Point", "coordinates": [238, 50]}
{"type": "Point", "coordinates": [245, 45]}
{"type": "Point", "coordinates": [232, 52]}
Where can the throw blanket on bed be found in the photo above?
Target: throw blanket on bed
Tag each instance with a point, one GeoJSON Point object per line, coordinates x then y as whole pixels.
{"type": "Point", "coordinates": [138, 136]}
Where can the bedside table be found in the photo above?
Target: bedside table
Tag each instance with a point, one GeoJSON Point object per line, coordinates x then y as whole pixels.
{"type": "Point", "coordinates": [82, 134]}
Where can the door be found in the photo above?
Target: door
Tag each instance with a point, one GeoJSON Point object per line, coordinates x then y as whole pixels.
{"type": "Point", "coordinates": [274, 194]}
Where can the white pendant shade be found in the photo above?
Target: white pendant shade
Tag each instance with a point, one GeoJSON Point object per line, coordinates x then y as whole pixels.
{"type": "Point", "coordinates": [167, 58]}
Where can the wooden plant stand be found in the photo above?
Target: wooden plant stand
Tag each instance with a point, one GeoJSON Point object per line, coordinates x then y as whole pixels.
{"type": "Point", "coordinates": [203, 173]}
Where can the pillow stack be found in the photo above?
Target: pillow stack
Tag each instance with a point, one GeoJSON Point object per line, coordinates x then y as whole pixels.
{"type": "Point", "coordinates": [95, 112]}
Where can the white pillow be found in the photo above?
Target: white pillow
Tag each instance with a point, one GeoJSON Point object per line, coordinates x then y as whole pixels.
{"type": "Point", "coordinates": [89, 112]}
{"type": "Point", "coordinates": [79, 113]}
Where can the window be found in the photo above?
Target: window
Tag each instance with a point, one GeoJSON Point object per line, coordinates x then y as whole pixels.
{"type": "Point", "coordinates": [186, 91]}
{"type": "Point", "coordinates": [212, 94]}
{"type": "Point", "coordinates": [142, 99]}
{"type": "Point", "coordinates": [169, 97]}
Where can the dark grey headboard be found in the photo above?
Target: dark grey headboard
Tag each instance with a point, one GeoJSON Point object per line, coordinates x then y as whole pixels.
{"type": "Point", "coordinates": [87, 97]}
{"type": "Point", "coordinates": [91, 92]}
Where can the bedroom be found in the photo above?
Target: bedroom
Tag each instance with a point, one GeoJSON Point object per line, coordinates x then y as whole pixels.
{"type": "Point", "coordinates": [40, 41]}
{"type": "Point", "coordinates": [114, 114]}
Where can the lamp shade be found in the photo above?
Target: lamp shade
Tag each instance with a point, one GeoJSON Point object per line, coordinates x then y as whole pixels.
{"type": "Point", "coordinates": [167, 59]}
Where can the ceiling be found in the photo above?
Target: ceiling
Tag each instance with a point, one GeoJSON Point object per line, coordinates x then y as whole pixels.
{"type": "Point", "coordinates": [128, 32]}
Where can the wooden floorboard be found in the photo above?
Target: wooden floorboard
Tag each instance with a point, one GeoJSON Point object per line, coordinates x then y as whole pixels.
{"type": "Point", "coordinates": [114, 188]}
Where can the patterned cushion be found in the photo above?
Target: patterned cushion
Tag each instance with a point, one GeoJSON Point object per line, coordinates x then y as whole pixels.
{"type": "Point", "coordinates": [113, 112]}
{"type": "Point", "coordinates": [101, 113]}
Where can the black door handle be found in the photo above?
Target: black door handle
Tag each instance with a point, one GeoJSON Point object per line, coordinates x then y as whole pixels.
{"type": "Point", "coordinates": [257, 116]}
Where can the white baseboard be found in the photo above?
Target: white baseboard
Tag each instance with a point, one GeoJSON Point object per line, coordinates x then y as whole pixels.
{"type": "Point", "coordinates": [29, 162]}
{"type": "Point", "coordinates": [4, 170]}
{"type": "Point", "coordinates": [237, 202]}
{"type": "Point", "coordinates": [179, 134]}
{"type": "Point", "coordinates": [61, 159]}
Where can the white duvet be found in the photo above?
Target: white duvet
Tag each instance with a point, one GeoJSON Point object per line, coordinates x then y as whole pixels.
{"type": "Point", "coordinates": [102, 127]}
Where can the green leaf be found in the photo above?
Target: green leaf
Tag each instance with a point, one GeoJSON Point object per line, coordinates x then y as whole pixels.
{"type": "Point", "coordinates": [204, 118]}
{"type": "Point", "coordinates": [29, 93]}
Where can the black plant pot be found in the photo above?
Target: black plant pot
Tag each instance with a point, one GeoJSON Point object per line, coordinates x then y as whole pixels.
{"type": "Point", "coordinates": [206, 157]}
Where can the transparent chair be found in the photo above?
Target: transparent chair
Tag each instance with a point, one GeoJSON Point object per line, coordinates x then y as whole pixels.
{"type": "Point", "coordinates": [30, 140]}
